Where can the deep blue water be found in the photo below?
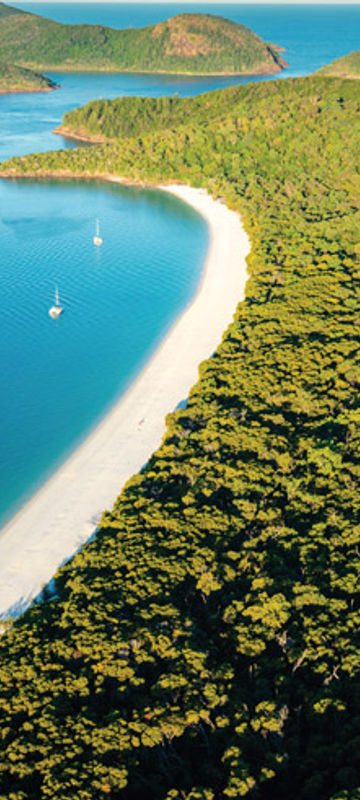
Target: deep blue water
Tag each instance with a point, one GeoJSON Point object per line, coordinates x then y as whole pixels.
{"type": "Point", "coordinates": [313, 35]}
{"type": "Point", "coordinates": [27, 120]}
{"type": "Point", "coordinates": [59, 377]}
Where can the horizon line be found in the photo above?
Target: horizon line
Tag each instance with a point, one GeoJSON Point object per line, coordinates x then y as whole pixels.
{"type": "Point", "coordinates": [188, 2]}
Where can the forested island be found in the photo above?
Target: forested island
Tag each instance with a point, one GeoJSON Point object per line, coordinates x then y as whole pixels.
{"type": "Point", "coordinates": [187, 43]}
{"type": "Point", "coordinates": [17, 79]}
{"type": "Point", "coordinates": [345, 67]}
{"type": "Point", "coordinates": [204, 645]}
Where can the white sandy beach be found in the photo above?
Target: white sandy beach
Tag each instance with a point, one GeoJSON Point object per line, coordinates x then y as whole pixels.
{"type": "Point", "coordinates": [61, 516]}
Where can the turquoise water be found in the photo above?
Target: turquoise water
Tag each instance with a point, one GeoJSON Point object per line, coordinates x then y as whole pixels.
{"type": "Point", "coordinates": [312, 34]}
{"type": "Point", "coordinates": [59, 377]}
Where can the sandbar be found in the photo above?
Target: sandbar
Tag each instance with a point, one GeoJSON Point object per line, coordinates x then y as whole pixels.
{"type": "Point", "coordinates": [63, 514]}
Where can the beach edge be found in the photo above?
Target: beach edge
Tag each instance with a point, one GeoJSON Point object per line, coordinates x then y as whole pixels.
{"type": "Point", "coordinates": [62, 515]}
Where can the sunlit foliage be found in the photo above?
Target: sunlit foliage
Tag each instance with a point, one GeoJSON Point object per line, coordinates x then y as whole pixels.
{"type": "Point", "coordinates": [16, 79]}
{"type": "Point", "coordinates": [190, 43]}
{"type": "Point", "coordinates": [345, 67]}
{"type": "Point", "coordinates": [204, 645]}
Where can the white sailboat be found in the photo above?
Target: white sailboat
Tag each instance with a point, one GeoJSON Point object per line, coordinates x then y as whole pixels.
{"type": "Point", "coordinates": [56, 310]}
{"type": "Point", "coordinates": [97, 238]}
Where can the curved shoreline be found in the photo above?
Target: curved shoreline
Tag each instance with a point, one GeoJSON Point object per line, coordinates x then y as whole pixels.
{"type": "Point", "coordinates": [62, 515]}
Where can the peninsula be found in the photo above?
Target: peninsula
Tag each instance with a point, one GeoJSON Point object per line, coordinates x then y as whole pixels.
{"type": "Point", "coordinates": [17, 79]}
{"type": "Point", "coordinates": [346, 67]}
{"type": "Point", "coordinates": [187, 43]}
{"type": "Point", "coordinates": [204, 644]}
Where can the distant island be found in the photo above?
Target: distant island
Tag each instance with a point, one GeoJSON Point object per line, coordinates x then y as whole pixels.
{"type": "Point", "coordinates": [18, 79]}
{"type": "Point", "coordinates": [345, 67]}
{"type": "Point", "coordinates": [187, 44]}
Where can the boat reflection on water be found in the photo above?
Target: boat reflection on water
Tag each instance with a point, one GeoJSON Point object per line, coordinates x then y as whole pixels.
{"type": "Point", "coordinates": [97, 238]}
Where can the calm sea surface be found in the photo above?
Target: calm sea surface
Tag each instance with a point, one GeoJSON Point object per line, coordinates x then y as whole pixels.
{"type": "Point", "coordinates": [59, 377]}
{"type": "Point", "coordinates": [313, 35]}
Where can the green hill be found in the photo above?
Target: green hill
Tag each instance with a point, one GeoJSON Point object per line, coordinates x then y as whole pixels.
{"type": "Point", "coordinates": [188, 43]}
{"type": "Point", "coordinates": [102, 120]}
{"type": "Point", "coordinates": [205, 646]}
{"type": "Point", "coordinates": [345, 67]}
{"type": "Point", "coordinates": [17, 79]}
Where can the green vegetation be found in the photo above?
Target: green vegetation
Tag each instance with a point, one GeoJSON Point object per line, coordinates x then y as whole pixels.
{"type": "Point", "coordinates": [17, 79]}
{"type": "Point", "coordinates": [191, 43]}
{"type": "Point", "coordinates": [346, 67]}
{"type": "Point", "coordinates": [205, 644]}
{"type": "Point", "coordinates": [129, 116]}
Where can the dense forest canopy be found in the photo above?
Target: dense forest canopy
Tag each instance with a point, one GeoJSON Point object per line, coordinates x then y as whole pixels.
{"type": "Point", "coordinates": [130, 116]}
{"type": "Point", "coordinates": [187, 43]}
{"type": "Point", "coordinates": [205, 645]}
{"type": "Point", "coordinates": [345, 67]}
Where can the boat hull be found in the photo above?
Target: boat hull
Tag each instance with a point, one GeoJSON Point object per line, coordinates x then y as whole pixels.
{"type": "Point", "coordinates": [55, 311]}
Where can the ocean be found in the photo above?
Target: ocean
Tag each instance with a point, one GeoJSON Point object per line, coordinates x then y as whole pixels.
{"type": "Point", "coordinates": [312, 35]}
{"type": "Point", "coordinates": [59, 378]}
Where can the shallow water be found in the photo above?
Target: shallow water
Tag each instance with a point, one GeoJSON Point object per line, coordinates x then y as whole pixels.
{"type": "Point", "coordinates": [59, 376]}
